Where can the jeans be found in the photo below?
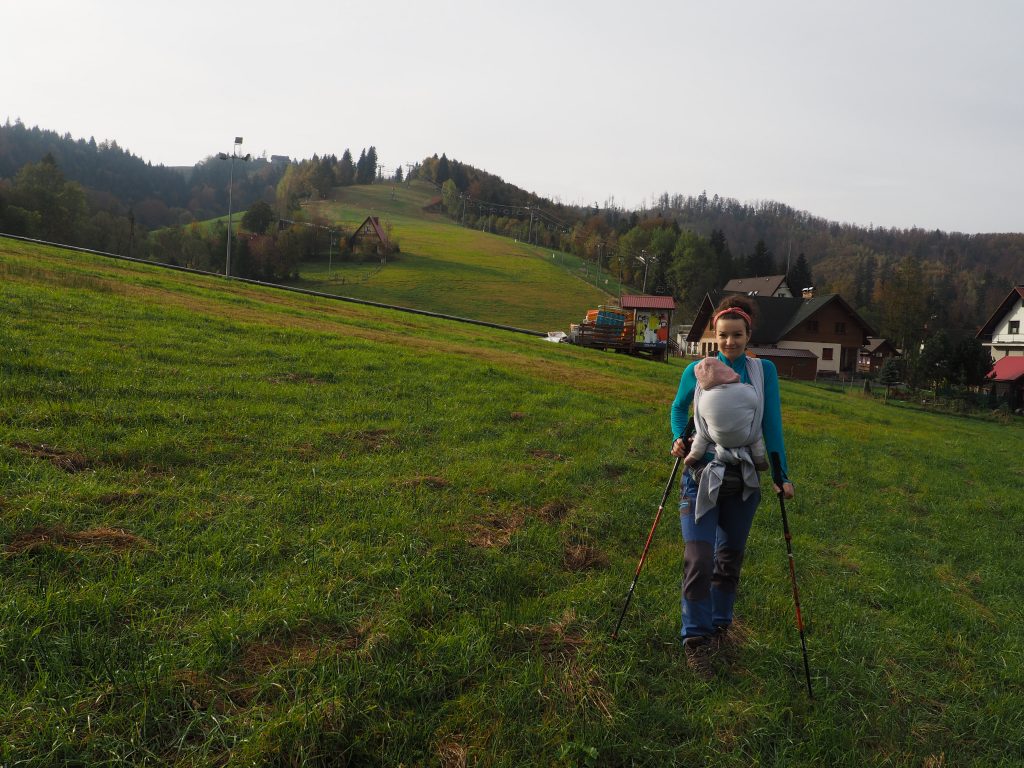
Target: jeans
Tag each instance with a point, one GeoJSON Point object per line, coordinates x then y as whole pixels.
{"type": "Point", "coordinates": [713, 556]}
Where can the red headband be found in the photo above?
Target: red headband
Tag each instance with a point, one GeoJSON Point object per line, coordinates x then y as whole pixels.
{"type": "Point", "coordinates": [732, 311]}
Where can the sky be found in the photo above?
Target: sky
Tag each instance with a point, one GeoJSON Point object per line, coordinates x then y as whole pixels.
{"type": "Point", "coordinates": [879, 113]}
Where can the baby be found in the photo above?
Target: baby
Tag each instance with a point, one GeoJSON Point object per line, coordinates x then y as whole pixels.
{"type": "Point", "coordinates": [727, 408]}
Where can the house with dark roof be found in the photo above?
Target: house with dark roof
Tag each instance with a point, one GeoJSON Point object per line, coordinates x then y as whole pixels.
{"type": "Point", "coordinates": [1002, 333]}
{"type": "Point", "coordinates": [805, 338]}
{"type": "Point", "coordinates": [771, 285]}
{"type": "Point", "coordinates": [874, 353]}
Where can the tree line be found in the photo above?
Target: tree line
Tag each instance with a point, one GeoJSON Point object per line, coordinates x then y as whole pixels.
{"type": "Point", "coordinates": [908, 283]}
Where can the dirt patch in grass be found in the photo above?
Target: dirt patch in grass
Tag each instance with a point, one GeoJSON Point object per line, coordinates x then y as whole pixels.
{"type": "Point", "coordinates": [541, 453]}
{"type": "Point", "coordinates": [553, 511]}
{"type": "Point", "coordinates": [496, 530]}
{"type": "Point", "coordinates": [583, 557]}
{"type": "Point", "coordinates": [431, 481]}
{"type": "Point", "coordinates": [69, 461]}
{"type": "Point", "coordinates": [295, 378]}
{"type": "Point", "coordinates": [559, 641]}
{"type": "Point", "coordinates": [374, 439]}
{"type": "Point", "coordinates": [614, 471]}
{"type": "Point", "coordinates": [303, 648]}
{"type": "Point", "coordinates": [115, 539]}
{"type": "Point", "coordinates": [516, 416]}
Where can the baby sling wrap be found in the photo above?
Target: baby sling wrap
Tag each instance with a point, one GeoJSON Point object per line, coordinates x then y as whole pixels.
{"type": "Point", "coordinates": [713, 473]}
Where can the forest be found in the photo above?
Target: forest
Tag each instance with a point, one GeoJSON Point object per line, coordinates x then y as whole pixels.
{"type": "Point", "coordinates": [908, 283]}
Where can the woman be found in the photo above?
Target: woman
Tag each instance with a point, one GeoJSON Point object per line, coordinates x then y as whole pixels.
{"type": "Point", "coordinates": [720, 496]}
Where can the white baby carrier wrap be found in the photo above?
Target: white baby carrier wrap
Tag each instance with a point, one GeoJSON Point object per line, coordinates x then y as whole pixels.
{"type": "Point", "coordinates": [728, 408]}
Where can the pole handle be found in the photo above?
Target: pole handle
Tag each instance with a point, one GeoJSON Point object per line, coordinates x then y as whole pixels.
{"type": "Point", "coordinates": [777, 469]}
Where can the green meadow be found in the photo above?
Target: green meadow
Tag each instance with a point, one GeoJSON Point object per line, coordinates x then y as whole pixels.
{"type": "Point", "coordinates": [453, 270]}
{"type": "Point", "coordinates": [243, 527]}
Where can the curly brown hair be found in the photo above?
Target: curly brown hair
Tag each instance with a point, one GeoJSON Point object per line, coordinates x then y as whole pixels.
{"type": "Point", "coordinates": [740, 302]}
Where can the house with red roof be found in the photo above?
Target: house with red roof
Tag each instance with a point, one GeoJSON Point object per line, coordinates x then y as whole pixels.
{"type": "Point", "coordinates": [1003, 335]}
{"type": "Point", "coordinates": [1007, 377]}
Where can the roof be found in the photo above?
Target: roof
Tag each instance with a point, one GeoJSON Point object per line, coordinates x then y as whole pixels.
{"type": "Point", "coordinates": [770, 352]}
{"type": "Point", "coordinates": [375, 226]}
{"type": "Point", "coordinates": [757, 286]}
{"type": "Point", "coordinates": [643, 301]}
{"type": "Point", "coordinates": [876, 343]}
{"type": "Point", "coordinates": [1012, 298]}
{"type": "Point", "coordinates": [1007, 369]}
{"type": "Point", "coordinates": [776, 316]}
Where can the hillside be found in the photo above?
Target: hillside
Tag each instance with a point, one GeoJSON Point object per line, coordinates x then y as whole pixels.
{"type": "Point", "coordinates": [248, 527]}
{"type": "Point", "coordinates": [451, 269]}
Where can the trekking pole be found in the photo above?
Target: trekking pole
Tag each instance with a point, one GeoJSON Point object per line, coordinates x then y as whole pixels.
{"type": "Point", "coordinates": [657, 517]}
{"type": "Point", "coordinates": [777, 477]}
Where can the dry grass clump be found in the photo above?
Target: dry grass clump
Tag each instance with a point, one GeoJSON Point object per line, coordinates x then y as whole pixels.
{"type": "Point", "coordinates": [116, 539]}
{"type": "Point", "coordinates": [554, 510]}
{"type": "Point", "coordinates": [451, 752]}
{"type": "Point", "coordinates": [69, 461]}
{"type": "Point", "coordinates": [583, 557]}
{"type": "Point", "coordinates": [496, 530]}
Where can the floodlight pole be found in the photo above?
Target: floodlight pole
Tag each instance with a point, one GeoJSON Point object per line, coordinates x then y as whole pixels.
{"type": "Point", "coordinates": [645, 259]}
{"type": "Point", "coordinates": [231, 184]}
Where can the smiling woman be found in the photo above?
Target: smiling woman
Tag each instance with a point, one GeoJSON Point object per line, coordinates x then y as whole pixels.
{"type": "Point", "coordinates": [721, 489]}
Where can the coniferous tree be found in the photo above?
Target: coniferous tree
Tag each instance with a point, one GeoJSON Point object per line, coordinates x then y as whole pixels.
{"type": "Point", "coordinates": [799, 276]}
{"type": "Point", "coordinates": [723, 258]}
{"type": "Point", "coordinates": [761, 261]}
{"type": "Point", "coordinates": [361, 169]}
{"type": "Point", "coordinates": [443, 170]}
{"type": "Point", "coordinates": [346, 170]}
{"type": "Point", "coordinates": [371, 165]}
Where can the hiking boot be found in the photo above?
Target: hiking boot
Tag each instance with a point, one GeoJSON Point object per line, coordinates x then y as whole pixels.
{"type": "Point", "coordinates": [723, 644]}
{"type": "Point", "coordinates": [698, 657]}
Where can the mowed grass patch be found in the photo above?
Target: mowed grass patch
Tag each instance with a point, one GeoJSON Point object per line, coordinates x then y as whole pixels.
{"type": "Point", "coordinates": [450, 269]}
{"type": "Point", "coordinates": [303, 533]}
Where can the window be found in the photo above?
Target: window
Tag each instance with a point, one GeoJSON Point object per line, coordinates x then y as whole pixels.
{"type": "Point", "coordinates": [812, 326]}
{"type": "Point", "coordinates": [826, 353]}
{"type": "Point", "coordinates": [841, 328]}
{"type": "Point", "coordinates": [1015, 326]}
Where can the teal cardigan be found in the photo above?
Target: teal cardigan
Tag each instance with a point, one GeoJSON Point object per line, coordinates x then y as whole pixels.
{"type": "Point", "coordinates": [771, 423]}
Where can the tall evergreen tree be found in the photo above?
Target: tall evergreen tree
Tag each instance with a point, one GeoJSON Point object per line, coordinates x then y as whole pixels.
{"type": "Point", "coordinates": [799, 276]}
{"type": "Point", "coordinates": [723, 258]}
{"type": "Point", "coordinates": [371, 164]}
{"type": "Point", "coordinates": [361, 169]}
{"type": "Point", "coordinates": [761, 261]}
{"type": "Point", "coordinates": [346, 169]}
{"type": "Point", "coordinates": [443, 170]}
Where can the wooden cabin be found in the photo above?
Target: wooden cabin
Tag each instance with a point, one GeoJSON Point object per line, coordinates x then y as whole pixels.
{"type": "Point", "coordinates": [792, 332]}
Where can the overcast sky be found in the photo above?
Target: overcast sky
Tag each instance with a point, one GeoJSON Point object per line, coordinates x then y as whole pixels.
{"type": "Point", "coordinates": [887, 113]}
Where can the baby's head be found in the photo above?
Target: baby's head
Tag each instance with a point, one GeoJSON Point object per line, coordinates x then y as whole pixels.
{"type": "Point", "coordinates": [711, 372]}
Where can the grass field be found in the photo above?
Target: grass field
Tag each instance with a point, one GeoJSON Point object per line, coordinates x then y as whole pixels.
{"type": "Point", "coordinates": [453, 270]}
{"type": "Point", "coordinates": [240, 527]}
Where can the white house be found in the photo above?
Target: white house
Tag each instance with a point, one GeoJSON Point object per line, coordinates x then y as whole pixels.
{"type": "Point", "coordinates": [1003, 334]}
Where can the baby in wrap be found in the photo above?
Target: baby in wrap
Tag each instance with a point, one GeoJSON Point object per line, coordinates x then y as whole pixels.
{"type": "Point", "coordinates": [727, 408]}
